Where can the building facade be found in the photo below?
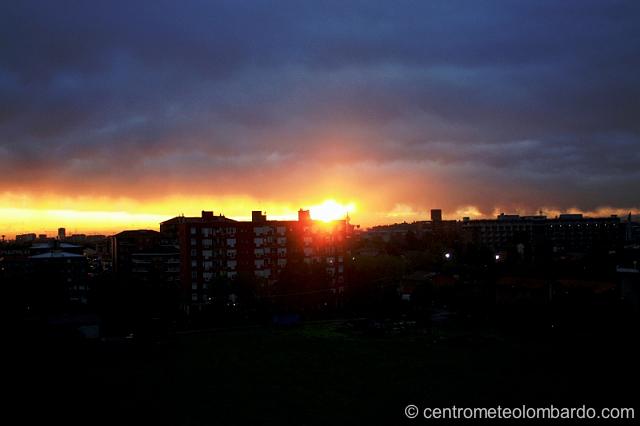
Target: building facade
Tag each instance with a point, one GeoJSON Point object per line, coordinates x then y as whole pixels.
{"type": "Point", "coordinates": [215, 250]}
{"type": "Point", "coordinates": [146, 256]}
{"type": "Point", "coordinates": [566, 232]}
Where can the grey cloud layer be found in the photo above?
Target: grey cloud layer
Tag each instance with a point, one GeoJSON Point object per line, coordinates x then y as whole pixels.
{"type": "Point", "coordinates": [480, 103]}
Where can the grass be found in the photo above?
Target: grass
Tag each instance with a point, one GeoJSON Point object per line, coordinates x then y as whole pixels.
{"type": "Point", "coordinates": [317, 375]}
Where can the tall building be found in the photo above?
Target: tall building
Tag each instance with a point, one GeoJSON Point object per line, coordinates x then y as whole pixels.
{"type": "Point", "coordinates": [62, 234]}
{"type": "Point", "coordinates": [216, 249]}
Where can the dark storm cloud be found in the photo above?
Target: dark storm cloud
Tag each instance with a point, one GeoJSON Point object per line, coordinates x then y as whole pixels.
{"type": "Point", "coordinates": [537, 101]}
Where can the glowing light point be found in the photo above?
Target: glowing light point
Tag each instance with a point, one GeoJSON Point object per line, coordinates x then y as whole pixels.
{"type": "Point", "coordinates": [331, 210]}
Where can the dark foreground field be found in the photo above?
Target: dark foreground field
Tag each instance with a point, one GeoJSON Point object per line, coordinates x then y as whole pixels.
{"type": "Point", "coordinates": [319, 374]}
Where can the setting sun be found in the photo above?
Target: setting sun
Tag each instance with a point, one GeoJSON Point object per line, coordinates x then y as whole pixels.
{"type": "Point", "coordinates": [331, 210]}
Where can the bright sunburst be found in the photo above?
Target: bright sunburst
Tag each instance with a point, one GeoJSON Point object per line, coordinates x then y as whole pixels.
{"type": "Point", "coordinates": [331, 210]}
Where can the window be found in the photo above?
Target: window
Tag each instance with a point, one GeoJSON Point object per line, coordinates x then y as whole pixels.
{"type": "Point", "coordinates": [193, 230]}
{"type": "Point", "coordinates": [264, 273]}
{"type": "Point", "coordinates": [262, 230]}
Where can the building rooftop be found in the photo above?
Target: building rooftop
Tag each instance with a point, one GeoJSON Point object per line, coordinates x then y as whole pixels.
{"type": "Point", "coordinates": [207, 216]}
{"type": "Point", "coordinates": [55, 255]}
{"type": "Point", "coordinates": [134, 232]}
{"type": "Point", "coordinates": [40, 246]}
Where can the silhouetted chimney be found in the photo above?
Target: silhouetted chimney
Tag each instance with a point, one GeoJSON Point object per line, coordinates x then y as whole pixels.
{"type": "Point", "coordinates": [257, 216]}
{"type": "Point", "coordinates": [304, 215]}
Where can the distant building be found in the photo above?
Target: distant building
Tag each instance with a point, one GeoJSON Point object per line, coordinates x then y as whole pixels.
{"type": "Point", "coordinates": [395, 232]}
{"type": "Point", "coordinates": [565, 233]}
{"type": "Point", "coordinates": [62, 233]}
{"type": "Point", "coordinates": [568, 232]}
{"type": "Point", "coordinates": [25, 238]}
{"type": "Point", "coordinates": [77, 238]}
{"type": "Point", "coordinates": [398, 232]}
{"type": "Point", "coordinates": [85, 239]}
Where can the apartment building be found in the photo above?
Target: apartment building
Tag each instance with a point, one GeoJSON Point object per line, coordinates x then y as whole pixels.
{"type": "Point", "coordinates": [564, 233]}
{"type": "Point", "coordinates": [216, 249]}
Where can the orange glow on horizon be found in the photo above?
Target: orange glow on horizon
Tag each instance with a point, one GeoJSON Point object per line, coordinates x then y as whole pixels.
{"type": "Point", "coordinates": [44, 213]}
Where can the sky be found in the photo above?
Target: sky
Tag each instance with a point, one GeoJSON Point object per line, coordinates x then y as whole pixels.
{"type": "Point", "coordinates": [120, 114]}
